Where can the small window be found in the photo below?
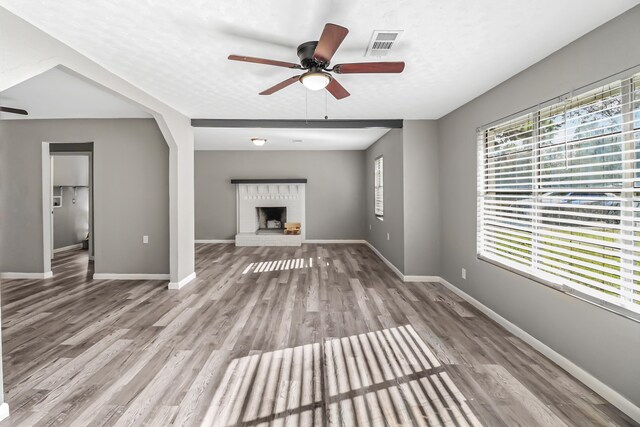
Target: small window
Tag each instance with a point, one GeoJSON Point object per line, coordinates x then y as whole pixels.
{"type": "Point", "coordinates": [379, 184]}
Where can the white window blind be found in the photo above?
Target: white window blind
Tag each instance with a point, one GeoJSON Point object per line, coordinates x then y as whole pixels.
{"type": "Point", "coordinates": [559, 193]}
{"type": "Point", "coordinates": [379, 186]}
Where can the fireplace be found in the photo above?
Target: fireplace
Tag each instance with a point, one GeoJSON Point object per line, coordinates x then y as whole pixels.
{"type": "Point", "coordinates": [271, 219]}
{"type": "Point", "coordinates": [263, 207]}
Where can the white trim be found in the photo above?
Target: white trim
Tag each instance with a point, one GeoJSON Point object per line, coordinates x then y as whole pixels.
{"type": "Point", "coordinates": [9, 275]}
{"type": "Point", "coordinates": [336, 241]}
{"type": "Point", "coordinates": [435, 279]}
{"type": "Point", "coordinates": [393, 268]}
{"type": "Point", "coordinates": [47, 210]}
{"type": "Point", "coordinates": [117, 276]}
{"type": "Point", "coordinates": [386, 261]}
{"type": "Point", "coordinates": [68, 248]}
{"type": "Point", "coordinates": [609, 394]}
{"type": "Point", "coordinates": [182, 283]}
{"type": "Point", "coordinates": [4, 411]}
{"type": "Point", "coordinates": [215, 241]}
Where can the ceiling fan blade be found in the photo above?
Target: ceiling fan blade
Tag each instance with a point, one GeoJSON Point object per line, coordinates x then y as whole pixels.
{"type": "Point", "coordinates": [337, 90]}
{"type": "Point", "coordinates": [281, 85]}
{"type": "Point", "coordinates": [331, 38]}
{"type": "Point", "coordinates": [14, 110]}
{"type": "Point", "coordinates": [263, 61]}
{"type": "Point", "coordinates": [369, 67]}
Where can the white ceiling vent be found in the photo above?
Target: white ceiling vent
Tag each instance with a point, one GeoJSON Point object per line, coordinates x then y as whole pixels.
{"type": "Point", "coordinates": [382, 41]}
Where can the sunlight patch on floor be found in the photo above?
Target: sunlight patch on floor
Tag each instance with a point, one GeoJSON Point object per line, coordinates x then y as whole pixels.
{"type": "Point", "coordinates": [381, 378]}
{"type": "Point", "coordinates": [281, 265]}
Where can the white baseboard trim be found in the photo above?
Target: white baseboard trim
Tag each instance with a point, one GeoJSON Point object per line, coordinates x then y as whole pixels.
{"type": "Point", "coordinates": [4, 411]}
{"type": "Point", "coordinates": [435, 279]}
{"type": "Point", "coordinates": [336, 241]}
{"type": "Point", "coordinates": [117, 276]}
{"type": "Point", "coordinates": [407, 278]}
{"type": "Point", "coordinates": [216, 241]}
{"type": "Point", "coordinates": [182, 283]}
{"type": "Point", "coordinates": [68, 248]}
{"type": "Point", "coordinates": [609, 394]}
{"type": "Point", "coordinates": [10, 275]}
{"type": "Point", "coordinates": [386, 261]}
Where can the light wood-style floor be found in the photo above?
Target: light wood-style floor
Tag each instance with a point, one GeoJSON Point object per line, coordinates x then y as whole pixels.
{"type": "Point", "coordinates": [317, 335]}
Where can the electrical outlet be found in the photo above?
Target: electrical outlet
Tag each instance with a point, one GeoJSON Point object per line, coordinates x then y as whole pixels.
{"type": "Point", "coordinates": [145, 239]}
{"type": "Point", "coordinates": [387, 236]}
{"type": "Point", "coordinates": [464, 273]}
{"type": "Point", "coordinates": [369, 226]}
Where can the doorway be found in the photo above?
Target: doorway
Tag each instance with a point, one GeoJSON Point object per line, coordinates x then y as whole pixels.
{"type": "Point", "coordinates": [70, 202]}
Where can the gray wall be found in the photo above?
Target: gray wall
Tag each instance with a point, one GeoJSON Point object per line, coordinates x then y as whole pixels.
{"type": "Point", "coordinates": [334, 197]}
{"type": "Point", "coordinates": [70, 169]}
{"type": "Point", "coordinates": [131, 184]}
{"type": "Point", "coordinates": [70, 220]}
{"type": "Point", "coordinates": [604, 344]}
{"type": "Point", "coordinates": [390, 147]}
{"type": "Point", "coordinates": [421, 205]}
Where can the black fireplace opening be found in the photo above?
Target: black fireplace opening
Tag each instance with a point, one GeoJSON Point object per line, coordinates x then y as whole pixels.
{"type": "Point", "coordinates": [271, 219]}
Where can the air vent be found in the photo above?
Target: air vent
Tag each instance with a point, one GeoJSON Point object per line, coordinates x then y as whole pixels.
{"type": "Point", "coordinates": [382, 41]}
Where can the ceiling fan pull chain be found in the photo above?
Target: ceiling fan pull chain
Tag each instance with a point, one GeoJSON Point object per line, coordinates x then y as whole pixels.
{"type": "Point", "coordinates": [326, 106]}
{"type": "Point", "coordinates": [306, 106]}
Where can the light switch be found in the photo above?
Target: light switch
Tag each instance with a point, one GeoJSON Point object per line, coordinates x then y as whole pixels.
{"type": "Point", "coordinates": [145, 239]}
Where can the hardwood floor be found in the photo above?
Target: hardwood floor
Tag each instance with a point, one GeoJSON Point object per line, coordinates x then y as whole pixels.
{"type": "Point", "coordinates": [317, 335]}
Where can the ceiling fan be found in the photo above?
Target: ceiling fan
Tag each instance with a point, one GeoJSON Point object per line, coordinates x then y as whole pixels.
{"type": "Point", "coordinates": [315, 57]}
{"type": "Point", "coordinates": [13, 110]}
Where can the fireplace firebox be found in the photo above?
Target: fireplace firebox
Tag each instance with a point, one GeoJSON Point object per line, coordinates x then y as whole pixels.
{"type": "Point", "coordinates": [271, 219]}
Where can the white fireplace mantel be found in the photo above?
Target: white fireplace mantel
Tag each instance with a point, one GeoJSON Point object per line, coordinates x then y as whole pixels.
{"type": "Point", "coordinates": [252, 194]}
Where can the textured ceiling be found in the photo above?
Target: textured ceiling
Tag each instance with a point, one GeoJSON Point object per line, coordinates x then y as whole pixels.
{"type": "Point", "coordinates": [56, 94]}
{"type": "Point", "coordinates": [176, 50]}
{"type": "Point", "coordinates": [283, 139]}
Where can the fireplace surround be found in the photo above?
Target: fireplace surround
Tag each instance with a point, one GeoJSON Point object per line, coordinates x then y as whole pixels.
{"type": "Point", "coordinates": [264, 206]}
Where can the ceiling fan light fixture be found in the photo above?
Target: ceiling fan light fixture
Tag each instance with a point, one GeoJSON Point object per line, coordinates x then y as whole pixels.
{"type": "Point", "coordinates": [315, 80]}
{"type": "Point", "coordinates": [259, 141]}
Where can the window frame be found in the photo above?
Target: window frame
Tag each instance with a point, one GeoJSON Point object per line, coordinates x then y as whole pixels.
{"type": "Point", "coordinates": [483, 159]}
{"type": "Point", "coordinates": [378, 185]}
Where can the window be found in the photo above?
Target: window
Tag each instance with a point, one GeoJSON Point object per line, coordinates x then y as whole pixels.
{"type": "Point", "coordinates": [378, 187]}
{"type": "Point", "coordinates": [559, 194]}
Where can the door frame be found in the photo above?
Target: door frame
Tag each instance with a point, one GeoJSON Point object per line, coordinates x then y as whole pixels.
{"type": "Point", "coordinates": [47, 200]}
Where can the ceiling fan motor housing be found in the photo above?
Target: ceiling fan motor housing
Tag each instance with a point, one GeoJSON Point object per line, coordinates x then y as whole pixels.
{"type": "Point", "coordinates": [305, 53]}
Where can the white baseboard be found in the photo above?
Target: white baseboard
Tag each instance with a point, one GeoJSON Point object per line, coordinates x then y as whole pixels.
{"type": "Point", "coordinates": [68, 248]}
{"type": "Point", "coordinates": [407, 278]}
{"type": "Point", "coordinates": [10, 275]}
{"type": "Point", "coordinates": [386, 261]}
{"type": "Point", "coordinates": [609, 394]}
{"type": "Point", "coordinates": [117, 276]}
{"type": "Point", "coordinates": [182, 283]}
{"type": "Point", "coordinates": [4, 411]}
{"type": "Point", "coordinates": [435, 279]}
{"type": "Point", "coordinates": [216, 241]}
{"type": "Point", "coordinates": [336, 241]}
